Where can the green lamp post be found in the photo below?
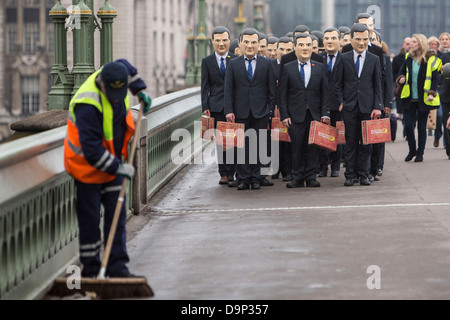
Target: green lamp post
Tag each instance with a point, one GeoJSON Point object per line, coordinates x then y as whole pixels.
{"type": "Point", "coordinates": [201, 39]}
{"type": "Point", "coordinates": [258, 18]}
{"type": "Point", "coordinates": [83, 44]}
{"type": "Point", "coordinates": [106, 13]}
{"type": "Point", "coordinates": [240, 20]}
{"type": "Point", "coordinates": [62, 80]}
{"type": "Point", "coordinates": [191, 72]}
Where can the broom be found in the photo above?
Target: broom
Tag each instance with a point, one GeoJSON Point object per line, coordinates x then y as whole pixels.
{"type": "Point", "coordinates": [110, 288]}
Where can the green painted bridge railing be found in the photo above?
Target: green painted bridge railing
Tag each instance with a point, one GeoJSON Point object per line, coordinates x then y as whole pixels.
{"type": "Point", "coordinates": [38, 226]}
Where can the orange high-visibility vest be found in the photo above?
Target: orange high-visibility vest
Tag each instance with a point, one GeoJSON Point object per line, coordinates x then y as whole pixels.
{"type": "Point", "coordinates": [74, 161]}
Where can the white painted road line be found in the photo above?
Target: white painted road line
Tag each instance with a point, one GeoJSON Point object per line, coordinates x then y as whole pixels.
{"type": "Point", "coordinates": [393, 205]}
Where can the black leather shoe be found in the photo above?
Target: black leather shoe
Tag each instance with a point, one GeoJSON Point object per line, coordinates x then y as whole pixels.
{"type": "Point", "coordinates": [322, 174]}
{"type": "Point", "coordinates": [349, 182]}
{"type": "Point", "coordinates": [334, 174]}
{"type": "Point", "coordinates": [256, 186]}
{"type": "Point", "coordinates": [295, 184]}
{"type": "Point", "coordinates": [364, 182]}
{"type": "Point", "coordinates": [312, 184]}
{"type": "Point", "coordinates": [230, 178]}
{"type": "Point", "coordinates": [410, 156]}
{"type": "Point", "coordinates": [243, 186]}
{"type": "Point", "coordinates": [419, 158]}
{"type": "Point", "coordinates": [233, 184]}
{"type": "Point", "coordinates": [266, 183]}
{"type": "Point", "coordinates": [276, 176]}
{"type": "Point", "coordinates": [373, 178]}
{"type": "Point", "coordinates": [379, 172]}
{"type": "Point", "coordinates": [287, 178]}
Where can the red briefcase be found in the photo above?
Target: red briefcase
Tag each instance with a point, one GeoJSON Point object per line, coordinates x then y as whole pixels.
{"type": "Point", "coordinates": [278, 126]}
{"type": "Point", "coordinates": [341, 128]}
{"type": "Point", "coordinates": [323, 136]}
{"type": "Point", "coordinates": [207, 125]}
{"type": "Point", "coordinates": [277, 113]}
{"type": "Point", "coordinates": [376, 131]}
{"type": "Point", "coordinates": [230, 134]}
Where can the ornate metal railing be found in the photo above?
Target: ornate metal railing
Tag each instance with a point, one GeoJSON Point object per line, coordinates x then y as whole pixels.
{"type": "Point", "coordinates": [38, 226]}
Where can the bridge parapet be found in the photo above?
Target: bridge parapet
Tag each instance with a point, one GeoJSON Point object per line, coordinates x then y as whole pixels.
{"type": "Point", "coordinates": [38, 226]}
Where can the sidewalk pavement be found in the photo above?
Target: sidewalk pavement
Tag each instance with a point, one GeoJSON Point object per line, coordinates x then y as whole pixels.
{"type": "Point", "coordinates": [201, 240]}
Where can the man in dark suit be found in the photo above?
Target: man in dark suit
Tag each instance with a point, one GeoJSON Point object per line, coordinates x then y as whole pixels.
{"type": "Point", "coordinates": [212, 91]}
{"type": "Point", "coordinates": [272, 45]}
{"type": "Point", "coordinates": [331, 57]}
{"type": "Point", "coordinates": [367, 19]}
{"type": "Point", "coordinates": [285, 46]}
{"type": "Point", "coordinates": [358, 88]}
{"type": "Point", "coordinates": [303, 90]}
{"type": "Point", "coordinates": [263, 41]}
{"type": "Point", "coordinates": [250, 99]}
{"type": "Point", "coordinates": [291, 56]}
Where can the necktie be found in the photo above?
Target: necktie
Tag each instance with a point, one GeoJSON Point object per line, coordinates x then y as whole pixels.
{"type": "Point", "coordinates": [302, 72]}
{"type": "Point", "coordinates": [330, 63]}
{"type": "Point", "coordinates": [250, 68]}
{"type": "Point", "coordinates": [222, 66]}
{"type": "Point", "coordinates": [357, 64]}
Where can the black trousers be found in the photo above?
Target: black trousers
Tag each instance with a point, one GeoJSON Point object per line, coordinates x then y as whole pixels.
{"type": "Point", "coordinates": [332, 158]}
{"type": "Point", "coordinates": [304, 156]}
{"type": "Point", "coordinates": [412, 116]}
{"type": "Point", "coordinates": [356, 155]}
{"type": "Point", "coordinates": [248, 169]}
{"type": "Point", "coordinates": [285, 158]}
{"type": "Point", "coordinates": [90, 197]}
{"type": "Point", "coordinates": [226, 166]}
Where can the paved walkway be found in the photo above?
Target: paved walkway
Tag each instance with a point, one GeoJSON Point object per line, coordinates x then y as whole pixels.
{"type": "Point", "coordinates": [201, 240]}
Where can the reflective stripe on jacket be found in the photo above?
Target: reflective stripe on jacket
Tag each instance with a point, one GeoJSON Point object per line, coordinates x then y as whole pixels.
{"type": "Point", "coordinates": [74, 160]}
{"type": "Point", "coordinates": [434, 63]}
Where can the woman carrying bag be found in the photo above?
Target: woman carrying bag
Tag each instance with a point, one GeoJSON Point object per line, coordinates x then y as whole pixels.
{"type": "Point", "coordinates": [419, 76]}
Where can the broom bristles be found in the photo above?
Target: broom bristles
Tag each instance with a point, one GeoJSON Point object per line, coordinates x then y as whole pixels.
{"type": "Point", "coordinates": [112, 288]}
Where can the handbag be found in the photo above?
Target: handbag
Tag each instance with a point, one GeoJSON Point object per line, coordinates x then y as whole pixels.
{"type": "Point", "coordinates": [398, 90]}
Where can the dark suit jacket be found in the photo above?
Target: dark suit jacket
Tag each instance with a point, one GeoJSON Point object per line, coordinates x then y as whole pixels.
{"type": "Point", "coordinates": [243, 95]}
{"type": "Point", "coordinates": [445, 89]}
{"type": "Point", "coordinates": [366, 91]}
{"type": "Point", "coordinates": [295, 98]}
{"type": "Point", "coordinates": [332, 78]}
{"type": "Point", "coordinates": [374, 49]}
{"type": "Point", "coordinates": [397, 64]}
{"type": "Point", "coordinates": [276, 69]}
{"type": "Point", "coordinates": [212, 87]}
{"type": "Point", "coordinates": [292, 57]}
{"type": "Point", "coordinates": [420, 83]}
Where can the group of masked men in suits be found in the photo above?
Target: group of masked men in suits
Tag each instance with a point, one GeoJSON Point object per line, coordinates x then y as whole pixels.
{"type": "Point", "coordinates": [245, 83]}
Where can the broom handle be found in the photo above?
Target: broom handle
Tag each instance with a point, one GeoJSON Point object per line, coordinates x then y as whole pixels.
{"type": "Point", "coordinates": [120, 200]}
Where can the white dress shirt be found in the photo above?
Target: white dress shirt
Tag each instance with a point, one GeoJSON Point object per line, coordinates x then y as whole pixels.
{"type": "Point", "coordinates": [307, 70]}
{"type": "Point", "coordinates": [334, 60]}
{"type": "Point", "coordinates": [361, 60]}
{"type": "Point", "coordinates": [253, 64]}
{"type": "Point", "coordinates": [219, 59]}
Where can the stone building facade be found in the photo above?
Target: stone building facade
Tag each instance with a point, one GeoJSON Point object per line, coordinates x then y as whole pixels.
{"type": "Point", "coordinates": [151, 34]}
